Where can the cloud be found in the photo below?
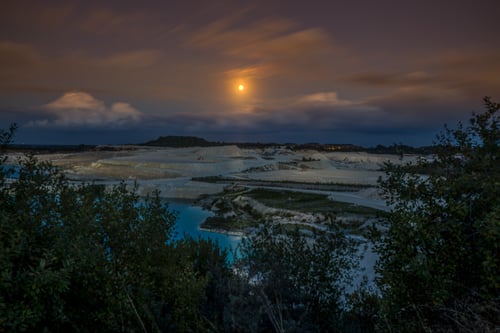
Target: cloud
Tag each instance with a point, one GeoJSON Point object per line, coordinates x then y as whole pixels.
{"type": "Point", "coordinates": [328, 99]}
{"type": "Point", "coordinates": [102, 20]}
{"type": "Point", "coordinates": [392, 79]}
{"type": "Point", "coordinates": [82, 109]}
{"type": "Point", "coordinates": [315, 111]}
{"type": "Point", "coordinates": [38, 16]}
{"type": "Point", "coordinates": [262, 40]}
{"type": "Point", "coordinates": [324, 110]}
{"type": "Point", "coordinates": [464, 73]}
{"type": "Point", "coordinates": [136, 59]}
{"type": "Point", "coordinates": [443, 87]}
{"type": "Point", "coordinates": [18, 62]}
{"type": "Point", "coordinates": [18, 55]}
{"type": "Point", "coordinates": [280, 46]}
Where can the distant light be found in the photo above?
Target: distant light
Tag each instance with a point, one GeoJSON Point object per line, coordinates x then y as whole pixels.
{"type": "Point", "coordinates": [241, 87]}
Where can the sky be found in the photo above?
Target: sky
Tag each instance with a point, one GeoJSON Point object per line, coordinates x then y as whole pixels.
{"type": "Point", "coordinates": [360, 72]}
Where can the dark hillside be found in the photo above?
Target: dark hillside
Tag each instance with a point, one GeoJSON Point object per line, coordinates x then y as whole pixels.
{"type": "Point", "coordinates": [180, 141]}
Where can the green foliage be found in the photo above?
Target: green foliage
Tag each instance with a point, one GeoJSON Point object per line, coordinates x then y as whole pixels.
{"type": "Point", "coordinates": [307, 202]}
{"type": "Point", "coordinates": [363, 309]}
{"type": "Point", "coordinates": [441, 247]}
{"type": "Point", "coordinates": [7, 136]}
{"type": "Point", "coordinates": [295, 279]}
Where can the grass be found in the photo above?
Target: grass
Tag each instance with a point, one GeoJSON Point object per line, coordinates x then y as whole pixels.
{"type": "Point", "coordinates": [353, 216]}
{"type": "Point", "coordinates": [307, 202]}
{"type": "Point", "coordinates": [331, 186]}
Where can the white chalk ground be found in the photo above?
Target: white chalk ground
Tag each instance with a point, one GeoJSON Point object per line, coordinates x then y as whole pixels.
{"type": "Point", "coordinates": [170, 169]}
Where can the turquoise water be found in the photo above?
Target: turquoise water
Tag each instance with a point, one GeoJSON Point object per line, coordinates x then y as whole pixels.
{"type": "Point", "coordinates": [188, 223]}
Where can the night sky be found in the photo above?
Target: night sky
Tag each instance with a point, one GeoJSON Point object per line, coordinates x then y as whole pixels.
{"type": "Point", "coordinates": [362, 72]}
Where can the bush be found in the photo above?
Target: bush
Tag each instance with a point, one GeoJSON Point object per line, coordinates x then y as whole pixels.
{"type": "Point", "coordinates": [441, 248]}
{"type": "Point", "coordinates": [295, 281]}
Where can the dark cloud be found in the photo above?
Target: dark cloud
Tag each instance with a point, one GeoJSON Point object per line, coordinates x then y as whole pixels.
{"type": "Point", "coordinates": [18, 55]}
{"type": "Point", "coordinates": [394, 79]}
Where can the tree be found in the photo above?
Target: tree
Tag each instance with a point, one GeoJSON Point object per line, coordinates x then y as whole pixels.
{"type": "Point", "coordinates": [293, 280]}
{"type": "Point", "coordinates": [440, 252]}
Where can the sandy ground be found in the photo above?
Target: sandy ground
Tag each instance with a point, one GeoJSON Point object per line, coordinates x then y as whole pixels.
{"type": "Point", "coordinates": [170, 170]}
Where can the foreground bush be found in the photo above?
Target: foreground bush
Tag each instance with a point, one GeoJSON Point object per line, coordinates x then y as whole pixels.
{"type": "Point", "coordinates": [440, 257]}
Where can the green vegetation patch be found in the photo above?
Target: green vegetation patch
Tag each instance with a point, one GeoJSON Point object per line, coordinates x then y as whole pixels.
{"type": "Point", "coordinates": [341, 187]}
{"type": "Point", "coordinates": [307, 202]}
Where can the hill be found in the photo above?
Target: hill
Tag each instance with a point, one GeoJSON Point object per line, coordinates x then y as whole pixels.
{"type": "Point", "coordinates": [180, 141]}
{"type": "Point", "coordinates": [192, 141]}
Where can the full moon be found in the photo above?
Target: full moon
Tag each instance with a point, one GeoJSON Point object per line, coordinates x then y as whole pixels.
{"type": "Point", "coordinates": [241, 87]}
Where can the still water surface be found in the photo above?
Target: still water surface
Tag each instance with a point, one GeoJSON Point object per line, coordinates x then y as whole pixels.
{"type": "Point", "coordinates": [188, 223]}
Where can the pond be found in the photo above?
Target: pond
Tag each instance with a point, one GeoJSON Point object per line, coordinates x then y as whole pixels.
{"type": "Point", "coordinates": [188, 223]}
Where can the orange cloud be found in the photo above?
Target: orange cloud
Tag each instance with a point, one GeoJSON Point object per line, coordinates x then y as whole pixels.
{"type": "Point", "coordinates": [278, 44]}
{"type": "Point", "coordinates": [18, 55]}
{"type": "Point", "coordinates": [131, 59]}
{"type": "Point", "coordinates": [102, 20]}
{"type": "Point", "coordinates": [80, 108]}
{"type": "Point", "coordinates": [329, 99]}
